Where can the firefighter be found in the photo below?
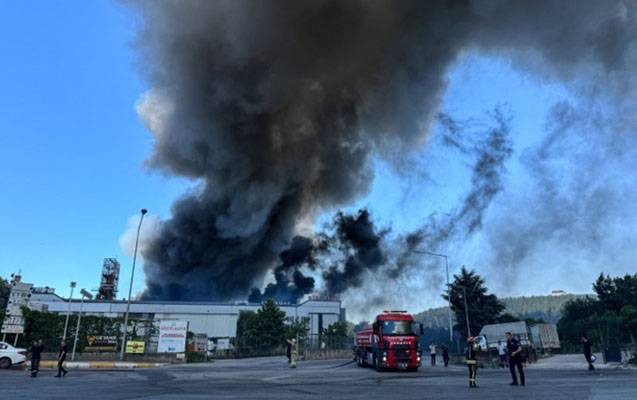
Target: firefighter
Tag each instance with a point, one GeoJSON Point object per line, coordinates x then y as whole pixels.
{"type": "Point", "coordinates": [294, 353]}
{"type": "Point", "coordinates": [472, 361]}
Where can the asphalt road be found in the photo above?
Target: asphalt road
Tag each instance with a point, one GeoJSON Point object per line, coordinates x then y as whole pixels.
{"type": "Point", "coordinates": [270, 378]}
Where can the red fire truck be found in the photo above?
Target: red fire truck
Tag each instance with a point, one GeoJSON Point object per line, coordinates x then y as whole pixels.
{"type": "Point", "coordinates": [391, 342]}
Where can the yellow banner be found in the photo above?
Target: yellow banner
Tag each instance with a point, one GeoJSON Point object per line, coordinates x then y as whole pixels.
{"type": "Point", "coordinates": [135, 347]}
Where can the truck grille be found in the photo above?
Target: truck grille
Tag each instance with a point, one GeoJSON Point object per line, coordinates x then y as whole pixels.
{"type": "Point", "coordinates": [402, 352]}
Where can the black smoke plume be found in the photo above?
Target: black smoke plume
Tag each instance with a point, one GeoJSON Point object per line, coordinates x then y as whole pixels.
{"type": "Point", "coordinates": [360, 241]}
{"type": "Point", "coordinates": [274, 109]}
{"type": "Point", "coordinates": [290, 284]}
{"type": "Point", "coordinates": [353, 244]}
{"type": "Point", "coordinates": [491, 149]}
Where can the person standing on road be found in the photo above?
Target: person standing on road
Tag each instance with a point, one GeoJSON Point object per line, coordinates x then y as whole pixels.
{"type": "Point", "coordinates": [445, 355]}
{"type": "Point", "coordinates": [36, 355]}
{"type": "Point", "coordinates": [288, 351]}
{"type": "Point", "coordinates": [472, 361]}
{"type": "Point", "coordinates": [432, 353]}
{"type": "Point", "coordinates": [587, 348]}
{"type": "Point", "coordinates": [502, 352]}
{"type": "Point", "coordinates": [294, 352]}
{"type": "Point", "coordinates": [515, 359]}
{"type": "Point", "coordinates": [61, 358]}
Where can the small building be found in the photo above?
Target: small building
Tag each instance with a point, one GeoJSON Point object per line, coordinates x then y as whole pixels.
{"type": "Point", "coordinates": [19, 296]}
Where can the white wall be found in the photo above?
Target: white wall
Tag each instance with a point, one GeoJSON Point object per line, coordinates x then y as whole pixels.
{"type": "Point", "coordinates": [213, 319]}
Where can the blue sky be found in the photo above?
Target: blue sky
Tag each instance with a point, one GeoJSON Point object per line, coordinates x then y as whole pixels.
{"type": "Point", "coordinates": [72, 148]}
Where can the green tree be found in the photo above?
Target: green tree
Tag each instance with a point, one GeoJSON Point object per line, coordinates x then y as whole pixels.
{"type": "Point", "coordinates": [271, 324]}
{"type": "Point", "coordinates": [578, 316]}
{"type": "Point", "coordinates": [336, 334]}
{"type": "Point", "coordinates": [629, 319]}
{"type": "Point", "coordinates": [610, 318]}
{"type": "Point", "coordinates": [247, 334]}
{"type": "Point", "coordinates": [360, 326]}
{"type": "Point", "coordinates": [534, 321]}
{"type": "Point", "coordinates": [483, 308]}
{"type": "Point", "coordinates": [299, 328]}
{"type": "Point", "coordinates": [50, 327]}
{"type": "Point", "coordinates": [506, 317]}
{"type": "Point", "coordinates": [262, 331]}
{"type": "Point", "coordinates": [5, 290]}
{"type": "Point", "coordinates": [614, 293]}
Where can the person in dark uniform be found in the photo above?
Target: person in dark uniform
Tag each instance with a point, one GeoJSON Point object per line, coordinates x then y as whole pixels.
{"type": "Point", "coordinates": [36, 355]}
{"type": "Point", "coordinates": [288, 350]}
{"type": "Point", "coordinates": [61, 358]}
{"type": "Point", "coordinates": [515, 359]}
{"type": "Point", "coordinates": [588, 351]}
{"type": "Point", "coordinates": [472, 361]}
{"type": "Point", "coordinates": [445, 355]}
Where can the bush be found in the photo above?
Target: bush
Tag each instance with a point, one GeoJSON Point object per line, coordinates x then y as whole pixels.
{"type": "Point", "coordinates": [194, 357]}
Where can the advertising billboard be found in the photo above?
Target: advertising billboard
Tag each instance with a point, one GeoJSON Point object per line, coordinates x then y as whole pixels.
{"type": "Point", "coordinates": [101, 344]}
{"type": "Point", "coordinates": [172, 336]}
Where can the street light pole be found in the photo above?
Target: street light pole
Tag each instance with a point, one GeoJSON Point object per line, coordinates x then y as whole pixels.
{"type": "Point", "coordinates": [68, 311]}
{"type": "Point", "coordinates": [89, 296]}
{"type": "Point", "coordinates": [466, 309]}
{"type": "Point", "coordinates": [130, 288]}
{"type": "Point", "coordinates": [448, 287]}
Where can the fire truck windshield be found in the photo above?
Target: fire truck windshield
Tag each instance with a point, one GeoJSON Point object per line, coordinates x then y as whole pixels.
{"type": "Point", "coordinates": [398, 328]}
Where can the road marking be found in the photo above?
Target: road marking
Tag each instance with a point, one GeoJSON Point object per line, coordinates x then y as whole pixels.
{"type": "Point", "coordinates": [274, 378]}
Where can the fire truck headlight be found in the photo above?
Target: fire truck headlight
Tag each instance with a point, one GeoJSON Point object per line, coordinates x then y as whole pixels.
{"type": "Point", "coordinates": [384, 357]}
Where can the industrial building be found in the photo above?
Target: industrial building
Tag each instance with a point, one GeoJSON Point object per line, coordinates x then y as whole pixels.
{"type": "Point", "coordinates": [215, 320]}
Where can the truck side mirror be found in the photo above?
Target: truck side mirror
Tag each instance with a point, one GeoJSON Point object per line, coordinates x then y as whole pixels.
{"type": "Point", "coordinates": [375, 327]}
{"type": "Point", "coordinates": [422, 330]}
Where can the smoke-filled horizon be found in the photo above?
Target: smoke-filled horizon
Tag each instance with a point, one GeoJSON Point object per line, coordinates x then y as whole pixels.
{"type": "Point", "coordinates": [277, 109]}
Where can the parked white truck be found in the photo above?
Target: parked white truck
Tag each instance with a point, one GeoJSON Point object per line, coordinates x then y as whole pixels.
{"type": "Point", "coordinates": [539, 338]}
{"type": "Point", "coordinates": [545, 338]}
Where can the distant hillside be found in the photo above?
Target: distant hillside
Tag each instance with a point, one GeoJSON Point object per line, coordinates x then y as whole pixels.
{"type": "Point", "coordinates": [548, 308]}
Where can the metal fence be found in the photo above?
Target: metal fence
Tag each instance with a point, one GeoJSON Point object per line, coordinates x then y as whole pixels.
{"type": "Point", "coordinates": [323, 342]}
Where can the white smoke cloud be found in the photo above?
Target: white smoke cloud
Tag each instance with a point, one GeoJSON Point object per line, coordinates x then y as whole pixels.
{"type": "Point", "coordinates": [148, 233]}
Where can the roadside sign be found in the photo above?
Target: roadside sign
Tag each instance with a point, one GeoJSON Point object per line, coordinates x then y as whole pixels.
{"type": "Point", "coordinates": [135, 347]}
{"type": "Point", "coordinates": [172, 336]}
{"type": "Point", "coordinates": [18, 297]}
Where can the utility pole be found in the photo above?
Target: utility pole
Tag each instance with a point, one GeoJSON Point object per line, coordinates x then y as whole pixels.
{"type": "Point", "coordinates": [130, 288]}
{"type": "Point", "coordinates": [448, 287]}
{"type": "Point", "coordinates": [466, 309]}
{"type": "Point", "coordinates": [68, 312]}
{"type": "Point", "coordinates": [89, 296]}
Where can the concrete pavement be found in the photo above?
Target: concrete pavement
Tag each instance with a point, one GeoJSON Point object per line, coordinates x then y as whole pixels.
{"type": "Point", "coordinates": [48, 364]}
{"type": "Point", "coordinates": [271, 378]}
{"type": "Point", "coordinates": [572, 361]}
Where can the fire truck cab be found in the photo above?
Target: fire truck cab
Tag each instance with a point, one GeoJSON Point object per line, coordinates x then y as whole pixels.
{"type": "Point", "coordinates": [391, 342]}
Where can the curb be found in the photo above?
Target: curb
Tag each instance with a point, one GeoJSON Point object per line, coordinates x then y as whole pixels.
{"type": "Point", "coordinates": [98, 365]}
